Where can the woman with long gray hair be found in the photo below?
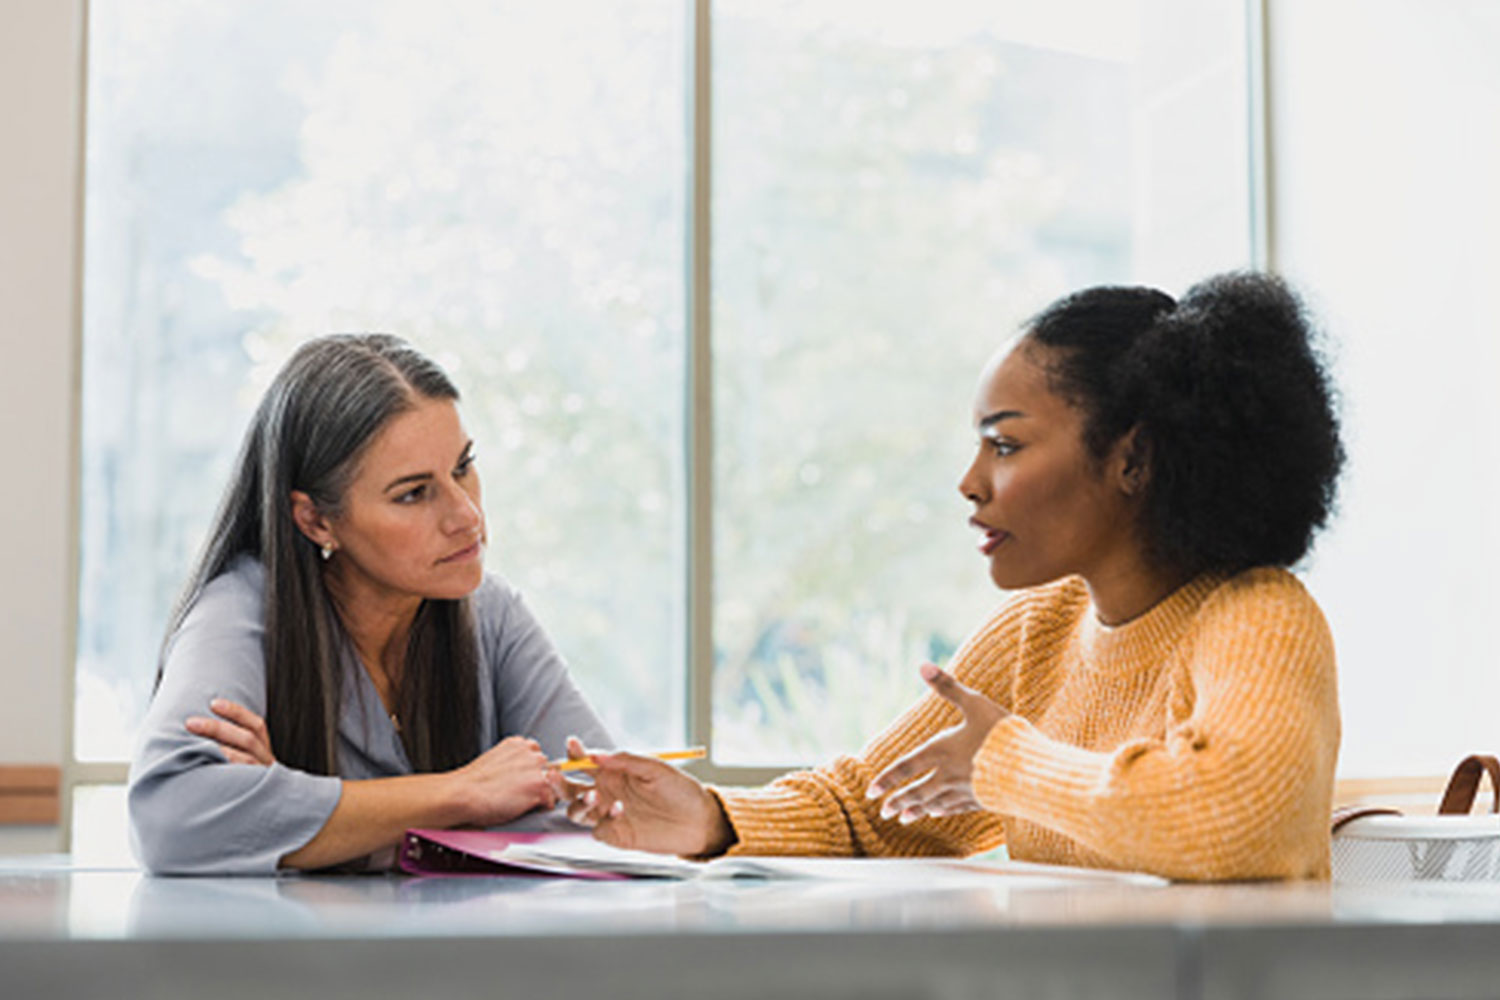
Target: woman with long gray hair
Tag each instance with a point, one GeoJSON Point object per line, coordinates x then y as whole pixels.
{"type": "Point", "coordinates": [339, 666]}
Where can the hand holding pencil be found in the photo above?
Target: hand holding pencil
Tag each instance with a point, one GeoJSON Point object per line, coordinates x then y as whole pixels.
{"type": "Point", "coordinates": [643, 802]}
{"type": "Point", "coordinates": [587, 763]}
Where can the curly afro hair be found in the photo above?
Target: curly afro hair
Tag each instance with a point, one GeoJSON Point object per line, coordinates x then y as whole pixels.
{"type": "Point", "coordinates": [1232, 405]}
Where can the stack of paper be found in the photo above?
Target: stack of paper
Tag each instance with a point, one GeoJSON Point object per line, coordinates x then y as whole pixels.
{"type": "Point", "coordinates": [580, 855]}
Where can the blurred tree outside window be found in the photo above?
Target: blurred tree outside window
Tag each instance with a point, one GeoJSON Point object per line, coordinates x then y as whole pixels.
{"type": "Point", "coordinates": [499, 182]}
{"type": "Point", "coordinates": [895, 188]}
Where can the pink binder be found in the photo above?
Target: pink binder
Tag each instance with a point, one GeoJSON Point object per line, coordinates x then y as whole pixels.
{"type": "Point", "coordinates": [472, 852]}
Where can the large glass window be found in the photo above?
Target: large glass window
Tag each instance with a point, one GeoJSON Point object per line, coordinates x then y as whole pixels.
{"type": "Point", "coordinates": [501, 183]}
{"type": "Point", "coordinates": [895, 187]}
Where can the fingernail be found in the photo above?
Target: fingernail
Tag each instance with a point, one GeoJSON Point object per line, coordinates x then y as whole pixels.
{"type": "Point", "coordinates": [908, 818]}
{"type": "Point", "coordinates": [617, 808]}
{"type": "Point", "coordinates": [886, 812]}
{"type": "Point", "coordinates": [873, 791]}
{"type": "Point", "coordinates": [929, 671]}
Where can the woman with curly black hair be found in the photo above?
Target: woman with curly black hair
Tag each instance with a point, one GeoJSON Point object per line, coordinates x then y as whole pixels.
{"type": "Point", "coordinates": [1160, 694]}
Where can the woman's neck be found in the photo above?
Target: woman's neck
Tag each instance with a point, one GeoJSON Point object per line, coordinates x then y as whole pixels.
{"type": "Point", "coordinates": [378, 623]}
{"type": "Point", "coordinates": [1129, 588]}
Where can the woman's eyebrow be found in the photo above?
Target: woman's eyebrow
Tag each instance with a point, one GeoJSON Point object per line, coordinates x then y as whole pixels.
{"type": "Point", "coordinates": [415, 477]}
{"type": "Point", "coordinates": [987, 424]}
{"type": "Point", "coordinates": [418, 477]}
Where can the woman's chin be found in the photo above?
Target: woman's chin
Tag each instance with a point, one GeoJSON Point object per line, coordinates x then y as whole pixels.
{"type": "Point", "coordinates": [459, 582]}
{"type": "Point", "coordinates": [1012, 577]}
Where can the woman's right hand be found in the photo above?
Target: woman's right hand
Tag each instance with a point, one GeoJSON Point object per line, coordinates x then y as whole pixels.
{"type": "Point", "coordinates": [648, 805]}
{"type": "Point", "coordinates": [508, 779]}
{"type": "Point", "coordinates": [240, 733]}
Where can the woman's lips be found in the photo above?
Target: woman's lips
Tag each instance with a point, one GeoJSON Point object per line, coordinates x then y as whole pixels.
{"type": "Point", "coordinates": [462, 555]}
{"type": "Point", "coordinates": [992, 536]}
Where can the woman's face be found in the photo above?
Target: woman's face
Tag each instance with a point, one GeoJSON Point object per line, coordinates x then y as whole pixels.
{"type": "Point", "coordinates": [411, 525]}
{"type": "Point", "coordinates": [1047, 507]}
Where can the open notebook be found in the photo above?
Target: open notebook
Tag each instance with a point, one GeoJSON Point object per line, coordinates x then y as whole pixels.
{"type": "Point", "coordinates": [480, 852]}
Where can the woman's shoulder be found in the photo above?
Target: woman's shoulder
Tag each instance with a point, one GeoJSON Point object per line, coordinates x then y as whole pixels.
{"type": "Point", "coordinates": [1061, 600]}
{"type": "Point", "coordinates": [494, 602]}
{"type": "Point", "coordinates": [1265, 603]}
{"type": "Point", "coordinates": [238, 593]}
{"type": "Point", "coordinates": [1046, 607]}
{"type": "Point", "coordinates": [1268, 590]}
{"type": "Point", "coordinates": [243, 579]}
{"type": "Point", "coordinates": [494, 592]}
{"type": "Point", "coordinates": [226, 618]}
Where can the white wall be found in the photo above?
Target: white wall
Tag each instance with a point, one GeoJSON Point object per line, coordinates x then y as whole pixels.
{"type": "Point", "coordinates": [40, 93]}
{"type": "Point", "coordinates": [1386, 151]}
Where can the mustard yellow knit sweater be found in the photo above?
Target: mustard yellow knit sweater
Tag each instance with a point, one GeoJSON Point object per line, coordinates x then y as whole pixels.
{"type": "Point", "coordinates": [1197, 741]}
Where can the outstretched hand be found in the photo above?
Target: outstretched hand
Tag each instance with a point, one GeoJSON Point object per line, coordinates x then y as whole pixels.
{"type": "Point", "coordinates": [936, 779]}
{"type": "Point", "coordinates": [645, 804]}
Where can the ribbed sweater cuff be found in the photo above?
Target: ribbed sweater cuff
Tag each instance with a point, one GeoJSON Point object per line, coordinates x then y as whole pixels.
{"type": "Point", "coordinates": [779, 820]}
{"type": "Point", "coordinates": [1020, 772]}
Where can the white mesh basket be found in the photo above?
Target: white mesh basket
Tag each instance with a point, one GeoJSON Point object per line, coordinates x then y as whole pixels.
{"type": "Point", "coordinates": [1381, 845]}
{"type": "Point", "coordinates": [1418, 849]}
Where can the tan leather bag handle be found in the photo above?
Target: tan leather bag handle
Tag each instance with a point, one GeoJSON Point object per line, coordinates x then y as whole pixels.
{"type": "Point", "coordinates": [1345, 814]}
{"type": "Point", "coordinates": [1458, 799]}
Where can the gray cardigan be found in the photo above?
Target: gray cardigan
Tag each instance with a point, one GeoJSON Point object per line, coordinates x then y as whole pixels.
{"type": "Point", "coordinates": [193, 812]}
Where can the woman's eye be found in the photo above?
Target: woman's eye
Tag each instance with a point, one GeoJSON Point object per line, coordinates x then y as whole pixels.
{"type": "Point", "coordinates": [412, 495]}
{"type": "Point", "coordinates": [1002, 448]}
{"type": "Point", "coordinates": [464, 467]}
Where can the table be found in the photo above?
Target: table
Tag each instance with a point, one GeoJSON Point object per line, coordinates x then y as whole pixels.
{"type": "Point", "coordinates": [69, 932]}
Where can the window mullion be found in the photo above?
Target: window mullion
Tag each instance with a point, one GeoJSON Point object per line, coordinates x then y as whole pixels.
{"type": "Point", "coordinates": [699, 383]}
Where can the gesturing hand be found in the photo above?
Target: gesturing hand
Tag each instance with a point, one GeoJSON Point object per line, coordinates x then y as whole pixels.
{"type": "Point", "coordinates": [648, 805]}
{"type": "Point", "coordinates": [936, 779]}
{"type": "Point", "coordinates": [240, 733]}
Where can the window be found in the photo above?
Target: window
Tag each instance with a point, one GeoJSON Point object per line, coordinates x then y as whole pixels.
{"type": "Point", "coordinates": [896, 187]}
{"type": "Point", "coordinates": [502, 184]}
{"type": "Point", "coordinates": [893, 189]}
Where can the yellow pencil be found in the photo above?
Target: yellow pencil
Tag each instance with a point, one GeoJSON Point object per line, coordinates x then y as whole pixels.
{"type": "Point", "coordinates": [691, 753]}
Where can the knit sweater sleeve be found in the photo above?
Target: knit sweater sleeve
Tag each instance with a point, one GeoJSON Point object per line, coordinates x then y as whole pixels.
{"type": "Point", "coordinates": [1240, 784]}
{"type": "Point", "coordinates": [825, 811]}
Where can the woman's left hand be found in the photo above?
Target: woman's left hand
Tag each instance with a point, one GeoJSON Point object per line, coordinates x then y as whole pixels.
{"type": "Point", "coordinates": [936, 779]}
{"type": "Point", "coordinates": [240, 733]}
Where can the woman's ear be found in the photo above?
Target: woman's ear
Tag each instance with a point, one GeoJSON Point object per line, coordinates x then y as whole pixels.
{"type": "Point", "coordinates": [310, 521]}
{"type": "Point", "coordinates": [1132, 462]}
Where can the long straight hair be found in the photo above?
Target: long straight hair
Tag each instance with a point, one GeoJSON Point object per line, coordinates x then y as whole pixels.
{"type": "Point", "coordinates": [321, 411]}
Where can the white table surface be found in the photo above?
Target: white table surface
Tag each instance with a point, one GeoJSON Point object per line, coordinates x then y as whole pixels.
{"type": "Point", "coordinates": [118, 933]}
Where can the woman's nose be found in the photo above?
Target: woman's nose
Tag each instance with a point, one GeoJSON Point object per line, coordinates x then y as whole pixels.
{"type": "Point", "coordinates": [462, 513]}
{"type": "Point", "coordinates": [972, 483]}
